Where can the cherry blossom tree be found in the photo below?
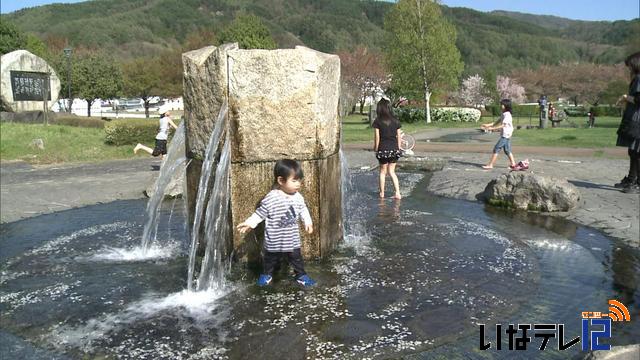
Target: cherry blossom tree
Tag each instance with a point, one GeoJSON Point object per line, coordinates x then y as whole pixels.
{"type": "Point", "coordinates": [473, 92]}
{"type": "Point", "coordinates": [510, 89]}
{"type": "Point", "coordinates": [363, 72]}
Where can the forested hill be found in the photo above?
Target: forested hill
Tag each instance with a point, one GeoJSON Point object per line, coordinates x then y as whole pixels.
{"type": "Point", "coordinates": [604, 32]}
{"type": "Point", "coordinates": [488, 41]}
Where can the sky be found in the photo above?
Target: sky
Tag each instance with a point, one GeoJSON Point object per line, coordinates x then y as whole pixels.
{"type": "Point", "coordinates": [573, 9]}
{"type": "Point", "coordinates": [7, 6]}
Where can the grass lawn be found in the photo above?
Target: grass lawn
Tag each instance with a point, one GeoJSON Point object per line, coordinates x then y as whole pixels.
{"type": "Point", "coordinates": [356, 128]}
{"type": "Point", "coordinates": [571, 133]}
{"type": "Point", "coordinates": [603, 135]}
{"type": "Point", "coordinates": [78, 144]}
{"type": "Point", "coordinates": [61, 144]}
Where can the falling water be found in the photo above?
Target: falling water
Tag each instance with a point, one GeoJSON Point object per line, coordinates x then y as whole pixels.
{"type": "Point", "coordinates": [353, 225]}
{"type": "Point", "coordinates": [175, 157]}
{"type": "Point", "coordinates": [203, 189]}
{"type": "Point", "coordinates": [217, 227]}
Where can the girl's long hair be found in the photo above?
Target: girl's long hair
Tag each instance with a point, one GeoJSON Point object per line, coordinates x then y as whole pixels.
{"type": "Point", "coordinates": [383, 112]}
{"type": "Point", "coordinates": [633, 62]}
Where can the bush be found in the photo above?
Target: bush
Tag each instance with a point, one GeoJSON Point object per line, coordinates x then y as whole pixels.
{"type": "Point", "coordinates": [438, 114]}
{"type": "Point", "coordinates": [576, 111]}
{"type": "Point", "coordinates": [77, 121]}
{"type": "Point", "coordinates": [409, 115]}
{"type": "Point", "coordinates": [130, 131]}
{"type": "Point", "coordinates": [606, 110]}
{"type": "Point", "coordinates": [517, 110]}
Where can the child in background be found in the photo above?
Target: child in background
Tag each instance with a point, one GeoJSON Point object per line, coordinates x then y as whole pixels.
{"type": "Point", "coordinates": [160, 147]}
{"type": "Point", "coordinates": [506, 130]}
{"type": "Point", "coordinates": [282, 207]}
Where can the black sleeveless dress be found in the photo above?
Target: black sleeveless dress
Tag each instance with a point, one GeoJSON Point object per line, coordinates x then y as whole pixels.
{"type": "Point", "coordinates": [388, 151]}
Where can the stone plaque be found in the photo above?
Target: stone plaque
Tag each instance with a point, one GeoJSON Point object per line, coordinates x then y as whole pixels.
{"type": "Point", "coordinates": [26, 81]}
{"type": "Point", "coordinates": [30, 86]}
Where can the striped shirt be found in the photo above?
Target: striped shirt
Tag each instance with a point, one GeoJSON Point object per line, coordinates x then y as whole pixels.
{"type": "Point", "coordinates": [281, 212]}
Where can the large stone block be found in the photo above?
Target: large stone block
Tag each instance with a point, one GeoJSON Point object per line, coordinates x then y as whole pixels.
{"type": "Point", "coordinates": [205, 89]}
{"type": "Point", "coordinates": [284, 103]}
{"type": "Point", "coordinates": [28, 72]}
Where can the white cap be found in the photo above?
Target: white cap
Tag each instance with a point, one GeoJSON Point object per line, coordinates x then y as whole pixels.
{"type": "Point", "coordinates": [163, 109]}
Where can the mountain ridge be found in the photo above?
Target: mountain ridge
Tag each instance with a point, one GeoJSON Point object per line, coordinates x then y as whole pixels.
{"type": "Point", "coordinates": [487, 41]}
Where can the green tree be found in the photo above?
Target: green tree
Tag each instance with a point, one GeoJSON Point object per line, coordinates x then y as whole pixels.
{"type": "Point", "coordinates": [143, 79]}
{"type": "Point", "coordinates": [96, 77]}
{"type": "Point", "coordinates": [12, 39]}
{"type": "Point", "coordinates": [421, 49]}
{"type": "Point", "coordinates": [249, 32]}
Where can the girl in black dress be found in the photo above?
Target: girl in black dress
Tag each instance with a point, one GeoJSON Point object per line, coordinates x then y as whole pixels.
{"type": "Point", "coordinates": [387, 145]}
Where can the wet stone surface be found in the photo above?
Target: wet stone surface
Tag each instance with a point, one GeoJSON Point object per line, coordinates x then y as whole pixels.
{"type": "Point", "coordinates": [414, 278]}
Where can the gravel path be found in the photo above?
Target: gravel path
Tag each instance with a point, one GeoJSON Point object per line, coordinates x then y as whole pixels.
{"type": "Point", "coordinates": [28, 191]}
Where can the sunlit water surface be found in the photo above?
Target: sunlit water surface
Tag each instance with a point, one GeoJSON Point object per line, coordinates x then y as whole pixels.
{"type": "Point", "coordinates": [414, 278]}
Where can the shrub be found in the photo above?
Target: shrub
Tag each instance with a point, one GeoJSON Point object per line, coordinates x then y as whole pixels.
{"type": "Point", "coordinates": [409, 114]}
{"type": "Point", "coordinates": [130, 131]}
{"type": "Point", "coordinates": [517, 110]}
{"type": "Point", "coordinates": [438, 114]}
{"type": "Point", "coordinates": [606, 110]}
{"type": "Point", "coordinates": [576, 111]}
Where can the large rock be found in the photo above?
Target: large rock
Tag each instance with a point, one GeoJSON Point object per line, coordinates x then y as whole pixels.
{"type": "Point", "coordinates": [528, 191]}
{"type": "Point", "coordinates": [22, 75]}
{"type": "Point", "coordinates": [205, 89]}
{"type": "Point", "coordinates": [282, 104]}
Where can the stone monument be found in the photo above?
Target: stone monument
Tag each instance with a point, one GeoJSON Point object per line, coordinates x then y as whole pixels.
{"type": "Point", "coordinates": [28, 83]}
{"type": "Point", "coordinates": [282, 104]}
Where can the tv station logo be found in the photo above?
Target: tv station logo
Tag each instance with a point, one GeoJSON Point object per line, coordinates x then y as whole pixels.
{"type": "Point", "coordinates": [596, 326]}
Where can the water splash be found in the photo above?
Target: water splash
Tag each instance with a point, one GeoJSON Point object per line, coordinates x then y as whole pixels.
{"type": "Point", "coordinates": [175, 158]}
{"type": "Point", "coordinates": [203, 189]}
{"type": "Point", "coordinates": [212, 270]}
{"type": "Point", "coordinates": [354, 219]}
{"type": "Point", "coordinates": [153, 252]}
{"type": "Point", "coordinates": [198, 306]}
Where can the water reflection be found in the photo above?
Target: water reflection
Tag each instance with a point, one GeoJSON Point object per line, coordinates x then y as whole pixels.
{"type": "Point", "coordinates": [389, 209]}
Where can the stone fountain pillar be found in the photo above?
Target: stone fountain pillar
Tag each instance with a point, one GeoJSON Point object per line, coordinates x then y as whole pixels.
{"type": "Point", "coordinates": [282, 104]}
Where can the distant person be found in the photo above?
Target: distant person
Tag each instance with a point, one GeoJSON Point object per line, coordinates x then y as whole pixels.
{"type": "Point", "coordinates": [506, 130]}
{"type": "Point", "coordinates": [542, 102]}
{"type": "Point", "coordinates": [282, 208]}
{"type": "Point", "coordinates": [160, 147]}
{"type": "Point", "coordinates": [592, 119]}
{"type": "Point", "coordinates": [552, 113]}
{"type": "Point", "coordinates": [629, 130]}
{"type": "Point", "coordinates": [386, 144]}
